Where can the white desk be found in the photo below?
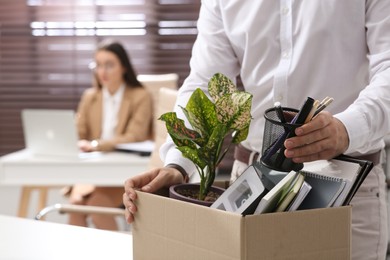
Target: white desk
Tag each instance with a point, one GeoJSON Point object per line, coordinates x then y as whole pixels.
{"type": "Point", "coordinates": [106, 169]}
{"type": "Point", "coordinates": [40, 240]}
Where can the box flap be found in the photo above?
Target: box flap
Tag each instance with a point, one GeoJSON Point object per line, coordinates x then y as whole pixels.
{"type": "Point", "coordinates": [306, 234]}
{"type": "Point", "coordinates": [165, 229]}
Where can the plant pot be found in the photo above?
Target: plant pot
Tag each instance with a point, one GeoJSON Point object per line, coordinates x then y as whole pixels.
{"type": "Point", "coordinates": [177, 192]}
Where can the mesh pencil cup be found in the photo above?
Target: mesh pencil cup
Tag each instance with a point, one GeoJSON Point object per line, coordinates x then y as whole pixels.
{"type": "Point", "coordinates": [276, 131]}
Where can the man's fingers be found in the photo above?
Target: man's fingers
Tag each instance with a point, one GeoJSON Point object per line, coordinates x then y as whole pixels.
{"type": "Point", "coordinates": [130, 208]}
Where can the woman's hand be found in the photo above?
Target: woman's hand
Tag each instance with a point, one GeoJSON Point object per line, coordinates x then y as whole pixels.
{"type": "Point", "coordinates": [85, 146]}
{"type": "Point", "coordinates": [324, 137]}
{"type": "Point", "coordinates": [150, 181]}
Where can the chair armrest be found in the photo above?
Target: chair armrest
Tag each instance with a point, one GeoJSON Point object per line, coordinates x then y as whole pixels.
{"type": "Point", "coordinates": [68, 208]}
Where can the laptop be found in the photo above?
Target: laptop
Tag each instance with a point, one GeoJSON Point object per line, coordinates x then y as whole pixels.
{"type": "Point", "coordinates": [51, 132]}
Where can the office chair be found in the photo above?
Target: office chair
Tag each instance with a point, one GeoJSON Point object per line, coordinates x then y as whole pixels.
{"type": "Point", "coordinates": [153, 83]}
{"type": "Point", "coordinates": [166, 101]}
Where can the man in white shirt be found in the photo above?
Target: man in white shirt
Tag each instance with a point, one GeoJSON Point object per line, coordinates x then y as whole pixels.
{"type": "Point", "coordinates": [286, 51]}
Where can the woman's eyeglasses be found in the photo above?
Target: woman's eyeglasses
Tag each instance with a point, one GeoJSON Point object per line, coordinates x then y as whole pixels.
{"type": "Point", "coordinates": [105, 67]}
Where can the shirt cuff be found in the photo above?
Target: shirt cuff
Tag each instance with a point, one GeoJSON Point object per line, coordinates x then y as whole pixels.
{"type": "Point", "coordinates": [174, 156]}
{"type": "Point", "coordinates": [186, 178]}
{"type": "Point", "coordinates": [356, 125]}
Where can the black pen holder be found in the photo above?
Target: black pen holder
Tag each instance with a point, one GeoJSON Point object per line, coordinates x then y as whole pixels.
{"type": "Point", "coordinates": [275, 133]}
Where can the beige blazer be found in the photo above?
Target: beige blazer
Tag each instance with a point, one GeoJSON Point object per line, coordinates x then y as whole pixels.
{"type": "Point", "coordinates": [134, 118]}
{"type": "Point", "coordinates": [134, 124]}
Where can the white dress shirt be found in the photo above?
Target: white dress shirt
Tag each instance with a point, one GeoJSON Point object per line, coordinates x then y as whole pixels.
{"type": "Point", "coordinates": [111, 105]}
{"type": "Point", "coordinates": [288, 50]}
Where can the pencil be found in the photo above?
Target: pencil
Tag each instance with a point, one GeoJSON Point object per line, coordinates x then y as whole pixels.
{"type": "Point", "coordinates": [324, 103]}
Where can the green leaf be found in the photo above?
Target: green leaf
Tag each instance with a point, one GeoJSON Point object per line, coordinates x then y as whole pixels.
{"type": "Point", "coordinates": [200, 112]}
{"type": "Point", "coordinates": [180, 141]}
{"type": "Point", "coordinates": [176, 128]}
{"type": "Point", "coordinates": [213, 146]}
{"type": "Point", "coordinates": [192, 154]}
{"type": "Point", "coordinates": [220, 85]}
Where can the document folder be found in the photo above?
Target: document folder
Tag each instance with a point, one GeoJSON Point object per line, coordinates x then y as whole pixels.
{"type": "Point", "coordinates": [365, 168]}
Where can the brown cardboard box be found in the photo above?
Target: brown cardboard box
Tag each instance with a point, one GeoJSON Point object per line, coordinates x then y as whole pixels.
{"type": "Point", "coordinates": [169, 229]}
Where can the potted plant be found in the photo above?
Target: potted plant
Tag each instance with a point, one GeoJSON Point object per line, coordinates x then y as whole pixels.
{"type": "Point", "coordinates": [211, 121]}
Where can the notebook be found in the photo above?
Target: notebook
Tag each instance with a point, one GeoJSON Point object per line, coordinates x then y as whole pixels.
{"type": "Point", "coordinates": [270, 200]}
{"type": "Point", "coordinates": [291, 193]}
{"type": "Point", "coordinates": [351, 169]}
{"type": "Point", "coordinates": [336, 168]}
{"type": "Point", "coordinates": [144, 148]}
{"type": "Point", "coordinates": [303, 192]}
{"type": "Point", "coordinates": [51, 132]}
{"type": "Point", "coordinates": [325, 190]}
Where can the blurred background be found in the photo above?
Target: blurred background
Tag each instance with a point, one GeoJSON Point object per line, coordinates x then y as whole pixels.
{"type": "Point", "coordinates": [46, 50]}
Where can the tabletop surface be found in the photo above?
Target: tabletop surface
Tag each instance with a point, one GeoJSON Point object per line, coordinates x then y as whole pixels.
{"type": "Point", "coordinates": [23, 239]}
{"type": "Point", "coordinates": [109, 169]}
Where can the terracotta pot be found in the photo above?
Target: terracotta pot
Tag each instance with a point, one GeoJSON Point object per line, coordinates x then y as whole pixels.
{"type": "Point", "coordinates": [174, 193]}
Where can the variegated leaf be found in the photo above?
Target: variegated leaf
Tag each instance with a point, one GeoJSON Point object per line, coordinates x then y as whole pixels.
{"type": "Point", "coordinates": [220, 85]}
{"type": "Point", "coordinates": [234, 110]}
{"type": "Point", "coordinates": [240, 135]}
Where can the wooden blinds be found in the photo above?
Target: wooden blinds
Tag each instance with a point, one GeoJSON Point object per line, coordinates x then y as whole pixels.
{"type": "Point", "coordinates": [47, 45]}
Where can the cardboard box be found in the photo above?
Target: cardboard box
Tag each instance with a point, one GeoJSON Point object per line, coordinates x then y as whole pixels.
{"type": "Point", "coordinates": [169, 229]}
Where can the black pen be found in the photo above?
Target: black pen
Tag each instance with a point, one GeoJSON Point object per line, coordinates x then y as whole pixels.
{"type": "Point", "coordinates": [279, 112]}
{"type": "Point", "coordinates": [304, 112]}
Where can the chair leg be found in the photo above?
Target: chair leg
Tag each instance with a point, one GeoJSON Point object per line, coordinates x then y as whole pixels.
{"type": "Point", "coordinates": [25, 197]}
{"type": "Point", "coordinates": [24, 201]}
{"type": "Point", "coordinates": [43, 193]}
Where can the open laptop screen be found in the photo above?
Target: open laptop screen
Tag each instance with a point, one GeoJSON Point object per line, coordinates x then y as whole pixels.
{"type": "Point", "coordinates": [50, 132]}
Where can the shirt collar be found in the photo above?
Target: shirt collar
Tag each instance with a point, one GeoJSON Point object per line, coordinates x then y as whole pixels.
{"type": "Point", "coordinates": [117, 96]}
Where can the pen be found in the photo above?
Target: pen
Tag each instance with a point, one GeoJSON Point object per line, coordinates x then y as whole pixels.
{"type": "Point", "coordinates": [304, 111]}
{"type": "Point", "coordinates": [279, 112]}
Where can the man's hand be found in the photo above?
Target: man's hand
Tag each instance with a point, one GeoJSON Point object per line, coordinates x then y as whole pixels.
{"type": "Point", "coordinates": [324, 137]}
{"type": "Point", "coordinates": [150, 181]}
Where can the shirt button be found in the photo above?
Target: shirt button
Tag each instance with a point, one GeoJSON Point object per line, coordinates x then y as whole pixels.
{"type": "Point", "coordinates": [285, 10]}
{"type": "Point", "coordinates": [285, 55]}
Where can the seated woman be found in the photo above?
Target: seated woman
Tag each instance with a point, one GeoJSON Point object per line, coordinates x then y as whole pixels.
{"type": "Point", "coordinates": [117, 109]}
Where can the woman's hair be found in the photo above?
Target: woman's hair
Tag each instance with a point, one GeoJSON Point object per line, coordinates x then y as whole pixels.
{"type": "Point", "coordinates": [116, 48]}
